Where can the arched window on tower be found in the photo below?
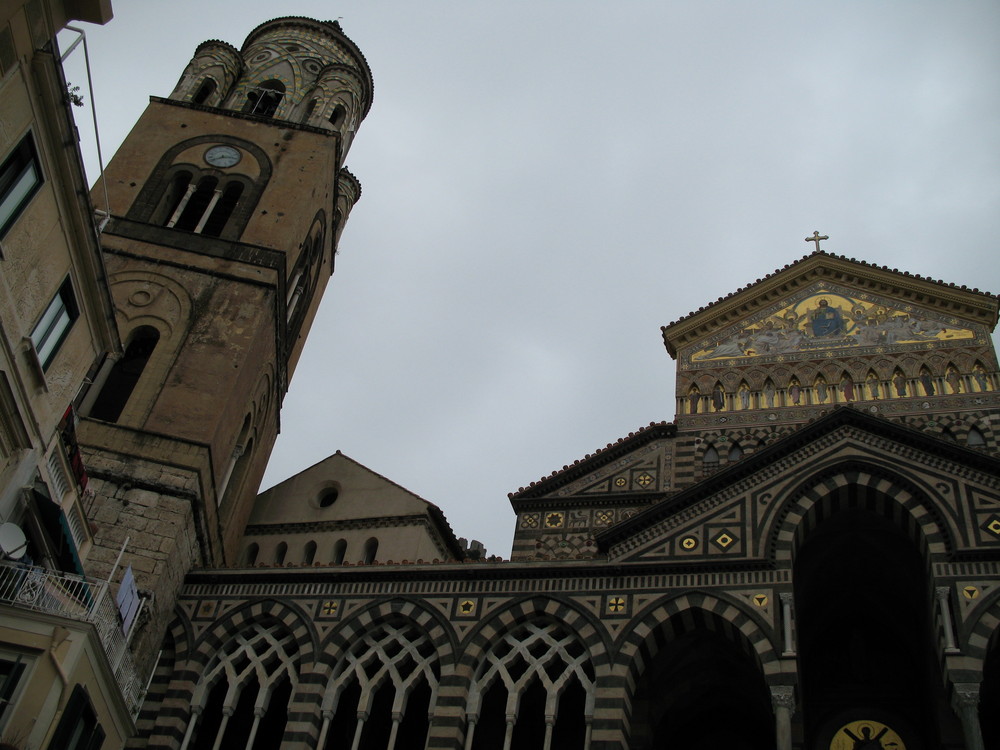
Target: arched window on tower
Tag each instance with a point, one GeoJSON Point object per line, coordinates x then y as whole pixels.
{"type": "Point", "coordinates": [250, 558]}
{"type": "Point", "coordinates": [371, 549]}
{"type": "Point", "coordinates": [338, 115]}
{"type": "Point", "coordinates": [735, 453]}
{"type": "Point", "coordinates": [192, 212]}
{"type": "Point", "coordinates": [203, 207]}
{"type": "Point", "coordinates": [177, 190]}
{"type": "Point", "coordinates": [223, 209]}
{"type": "Point", "coordinates": [263, 100]}
{"type": "Point", "coordinates": [205, 90]}
{"type": "Point", "coordinates": [310, 108]}
{"type": "Point", "coordinates": [280, 552]}
{"type": "Point", "coordinates": [125, 375]}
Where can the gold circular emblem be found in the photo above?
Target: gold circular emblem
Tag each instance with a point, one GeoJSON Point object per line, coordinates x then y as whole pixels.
{"type": "Point", "coordinates": [866, 735]}
{"type": "Point", "coordinates": [689, 542]}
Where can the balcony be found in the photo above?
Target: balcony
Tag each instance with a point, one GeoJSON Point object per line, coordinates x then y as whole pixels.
{"type": "Point", "coordinates": [76, 598]}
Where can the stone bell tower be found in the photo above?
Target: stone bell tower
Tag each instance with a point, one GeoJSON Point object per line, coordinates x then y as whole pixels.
{"type": "Point", "coordinates": [227, 201]}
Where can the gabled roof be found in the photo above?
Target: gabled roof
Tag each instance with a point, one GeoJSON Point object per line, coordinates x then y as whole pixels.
{"type": "Point", "coordinates": [840, 416]}
{"type": "Point", "coordinates": [595, 460]}
{"type": "Point", "coordinates": [971, 304]}
{"type": "Point", "coordinates": [433, 511]}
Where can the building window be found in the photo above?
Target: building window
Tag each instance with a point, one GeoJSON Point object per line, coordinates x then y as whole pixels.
{"type": "Point", "coordinates": [78, 728]}
{"type": "Point", "coordinates": [52, 329]}
{"type": "Point", "coordinates": [339, 551]}
{"type": "Point", "coordinates": [11, 671]}
{"type": "Point", "coordinates": [20, 178]}
{"type": "Point", "coordinates": [371, 549]}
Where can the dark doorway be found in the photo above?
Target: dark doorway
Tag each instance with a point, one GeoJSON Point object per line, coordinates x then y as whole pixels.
{"type": "Point", "coordinates": [863, 624]}
{"type": "Point", "coordinates": [701, 690]}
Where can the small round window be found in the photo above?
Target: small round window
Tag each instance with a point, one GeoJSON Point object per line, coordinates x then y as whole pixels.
{"type": "Point", "coordinates": [328, 497]}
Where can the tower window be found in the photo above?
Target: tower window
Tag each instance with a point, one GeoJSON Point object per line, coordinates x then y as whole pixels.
{"type": "Point", "coordinates": [337, 116]}
{"type": "Point", "coordinates": [20, 179]}
{"type": "Point", "coordinates": [310, 108]}
{"type": "Point", "coordinates": [223, 209]}
{"type": "Point", "coordinates": [263, 100]}
{"type": "Point", "coordinates": [192, 213]}
{"type": "Point", "coordinates": [204, 91]}
{"type": "Point", "coordinates": [53, 327]}
{"type": "Point", "coordinates": [125, 375]}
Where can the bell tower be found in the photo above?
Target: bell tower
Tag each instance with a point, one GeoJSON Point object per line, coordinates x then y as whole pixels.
{"type": "Point", "coordinates": [227, 201]}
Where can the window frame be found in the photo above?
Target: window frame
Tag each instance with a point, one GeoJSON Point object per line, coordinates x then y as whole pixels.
{"type": "Point", "coordinates": [49, 333]}
{"type": "Point", "coordinates": [14, 195]}
{"type": "Point", "coordinates": [18, 668]}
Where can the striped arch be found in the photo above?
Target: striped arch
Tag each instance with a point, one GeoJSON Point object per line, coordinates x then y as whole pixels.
{"type": "Point", "coordinates": [665, 620]}
{"type": "Point", "coordinates": [855, 484]}
{"type": "Point", "coordinates": [537, 653]}
{"type": "Point", "coordinates": [980, 634]}
{"type": "Point", "coordinates": [580, 622]}
{"type": "Point", "coordinates": [222, 630]}
{"type": "Point", "coordinates": [394, 649]}
{"type": "Point", "coordinates": [276, 640]}
{"type": "Point", "coordinates": [437, 628]}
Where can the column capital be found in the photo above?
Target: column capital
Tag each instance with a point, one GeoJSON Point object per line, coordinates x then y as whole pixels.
{"type": "Point", "coordinates": [965, 695]}
{"type": "Point", "coordinates": [942, 592]}
{"type": "Point", "coordinates": [783, 696]}
{"type": "Point", "coordinates": [786, 597]}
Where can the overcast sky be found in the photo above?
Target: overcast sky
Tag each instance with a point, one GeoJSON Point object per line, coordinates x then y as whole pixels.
{"type": "Point", "coordinates": [545, 184]}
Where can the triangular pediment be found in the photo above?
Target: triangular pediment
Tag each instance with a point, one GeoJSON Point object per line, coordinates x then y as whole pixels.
{"type": "Point", "coordinates": [865, 306]}
{"type": "Point", "coordinates": [824, 319]}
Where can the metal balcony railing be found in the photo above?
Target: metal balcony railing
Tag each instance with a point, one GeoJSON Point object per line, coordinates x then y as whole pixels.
{"type": "Point", "coordinates": [76, 598]}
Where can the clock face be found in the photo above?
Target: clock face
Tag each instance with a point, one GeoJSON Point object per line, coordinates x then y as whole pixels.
{"type": "Point", "coordinates": [223, 156]}
{"type": "Point", "coordinates": [866, 735]}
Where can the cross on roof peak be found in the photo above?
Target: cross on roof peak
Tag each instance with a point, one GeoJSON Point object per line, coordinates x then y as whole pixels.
{"type": "Point", "coordinates": [816, 238]}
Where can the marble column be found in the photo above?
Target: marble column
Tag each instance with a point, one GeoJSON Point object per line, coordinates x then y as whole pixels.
{"type": "Point", "coordinates": [783, 702]}
{"type": "Point", "coordinates": [965, 701]}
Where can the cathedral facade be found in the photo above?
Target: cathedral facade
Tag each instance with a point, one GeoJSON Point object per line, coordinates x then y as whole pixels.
{"type": "Point", "coordinates": [806, 558]}
{"type": "Point", "coordinates": [809, 551]}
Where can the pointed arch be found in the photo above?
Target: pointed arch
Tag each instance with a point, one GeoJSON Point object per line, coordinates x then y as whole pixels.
{"type": "Point", "coordinates": [252, 665]}
{"type": "Point", "coordinates": [849, 485]}
{"type": "Point", "coordinates": [526, 662]}
{"type": "Point", "coordinates": [687, 622]}
{"type": "Point", "coordinates": [358, 663]}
